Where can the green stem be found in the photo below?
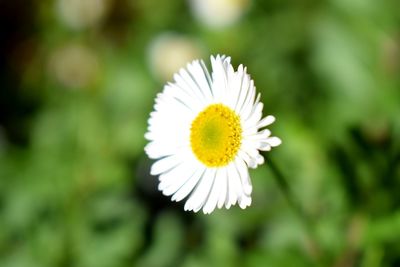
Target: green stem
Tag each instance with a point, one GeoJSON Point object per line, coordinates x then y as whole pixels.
{"type": "Point", "coordinates": [308, 224]}
{"type": "Point", "coordinates": [287, 192]}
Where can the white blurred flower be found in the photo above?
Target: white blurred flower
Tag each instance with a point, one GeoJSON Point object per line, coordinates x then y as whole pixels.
{"type": "Point", "coordinates": [78, 14]}
{"type": "Point", "coordinates": [74, 66]}
{"type": "Point", "coordinates": [169, 52]}
{"type": "Point", "coordinates": [218, 13]}
{"type": "Point", "coordinates": [206, 130]}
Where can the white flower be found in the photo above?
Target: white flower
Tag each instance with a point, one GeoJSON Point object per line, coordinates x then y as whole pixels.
{"type": "Point", "coordinates": [79, 14]}
{"type": "Point", "coordinates": [219, 13]}
{"type": "Point", "coordinates": [168, 52]}
{"type": "Point", "coordinates": [74, 65]}
{"type": "Point", "coordinates": [205, 131]}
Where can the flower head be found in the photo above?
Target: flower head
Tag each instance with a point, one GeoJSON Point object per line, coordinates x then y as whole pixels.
{"type": "Point", "coordinates": [206, 130]}
{"type": "Point", "coordinates": [168, 52]}
{"type": "Point", "coordinates": [219, 13]}
{"type": "Point", "coordinates": [78, 14]}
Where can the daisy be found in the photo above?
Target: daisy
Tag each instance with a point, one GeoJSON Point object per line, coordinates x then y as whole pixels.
{"type": "Point", "coordinates": [218, 13]}
{"type": "Point", "coordinates": [206, 130]}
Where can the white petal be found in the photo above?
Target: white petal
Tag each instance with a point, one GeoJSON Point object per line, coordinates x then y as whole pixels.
{"type": "Point", "coordinates": [234, 80]}
{"type": "Point", "coordinates": [177, 97]}
{"type": "Point", "coordinates": [259, 159]}
{"type": "Point", "coordinates": [231, 196]}
{"type": "Point", "coordinates": [244, 176]}
{"type": "Point", "coordinates": [224, 187]}
{"type": "Point", "coordinates": [248, 103]}
{"type": "Point", "coordinates": [171, 181]}
{"type": "Point", "coordinates": [250, 161]}
{"type": "Point", "coordinates": [266, 121]}
{"type": "Point", "coordinates": [212, 200]}
{"type": "Point", "coordinates": [246, 92]}
{"type": "Point", "coordinates": [189, 185]}
{"type": "Point", "coordinates": [244, 201]}
{"type": "Point", "coordinates": [190, 82]}
{"type": "Point", "coordinates": [255, 115]}
{"type": "Point", "coordinates": [201, 77]}
{"type": "Point", "coordinates": [157, 150]}
{"type": "Point", "coordinates": [264, 146]}
{"type": "Point", "coordinates": [235, 185]}
{"type": "Point", "coordinates": [251, 151]}
{"type": "Point", "coordinates": [200, 193]}
{"type": "Point", "coordinates": [220, 82]}
{"type": "Point", "coordinates": [165, 164]}
{"type": "Point", "coordinates": [186, 97]}
{"type": "Point", "coordinates": [262, 135]}
{"type": "Point", "coordinates": [274, 141]}
{"type": "Point", "coordinates": [183, 82]}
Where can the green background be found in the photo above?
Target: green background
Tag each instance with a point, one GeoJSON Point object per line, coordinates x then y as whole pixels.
{"type": "Point", "coordinates": [75, 188]}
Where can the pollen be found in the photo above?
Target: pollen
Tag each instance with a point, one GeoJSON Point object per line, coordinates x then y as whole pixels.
{"type": "Point", "coordinates": [216, 135]}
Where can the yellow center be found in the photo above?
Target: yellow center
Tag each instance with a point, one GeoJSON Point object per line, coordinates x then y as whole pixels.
{"type": "Point", "coordinates": [216, 135]}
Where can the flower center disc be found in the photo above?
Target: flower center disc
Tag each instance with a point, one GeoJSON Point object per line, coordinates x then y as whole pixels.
{"type": "Point", "coordinates": [215, 135]}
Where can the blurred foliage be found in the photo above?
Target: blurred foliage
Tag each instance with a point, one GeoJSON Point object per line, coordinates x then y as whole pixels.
{"type": "Point", "coordinates": [78, 83]}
